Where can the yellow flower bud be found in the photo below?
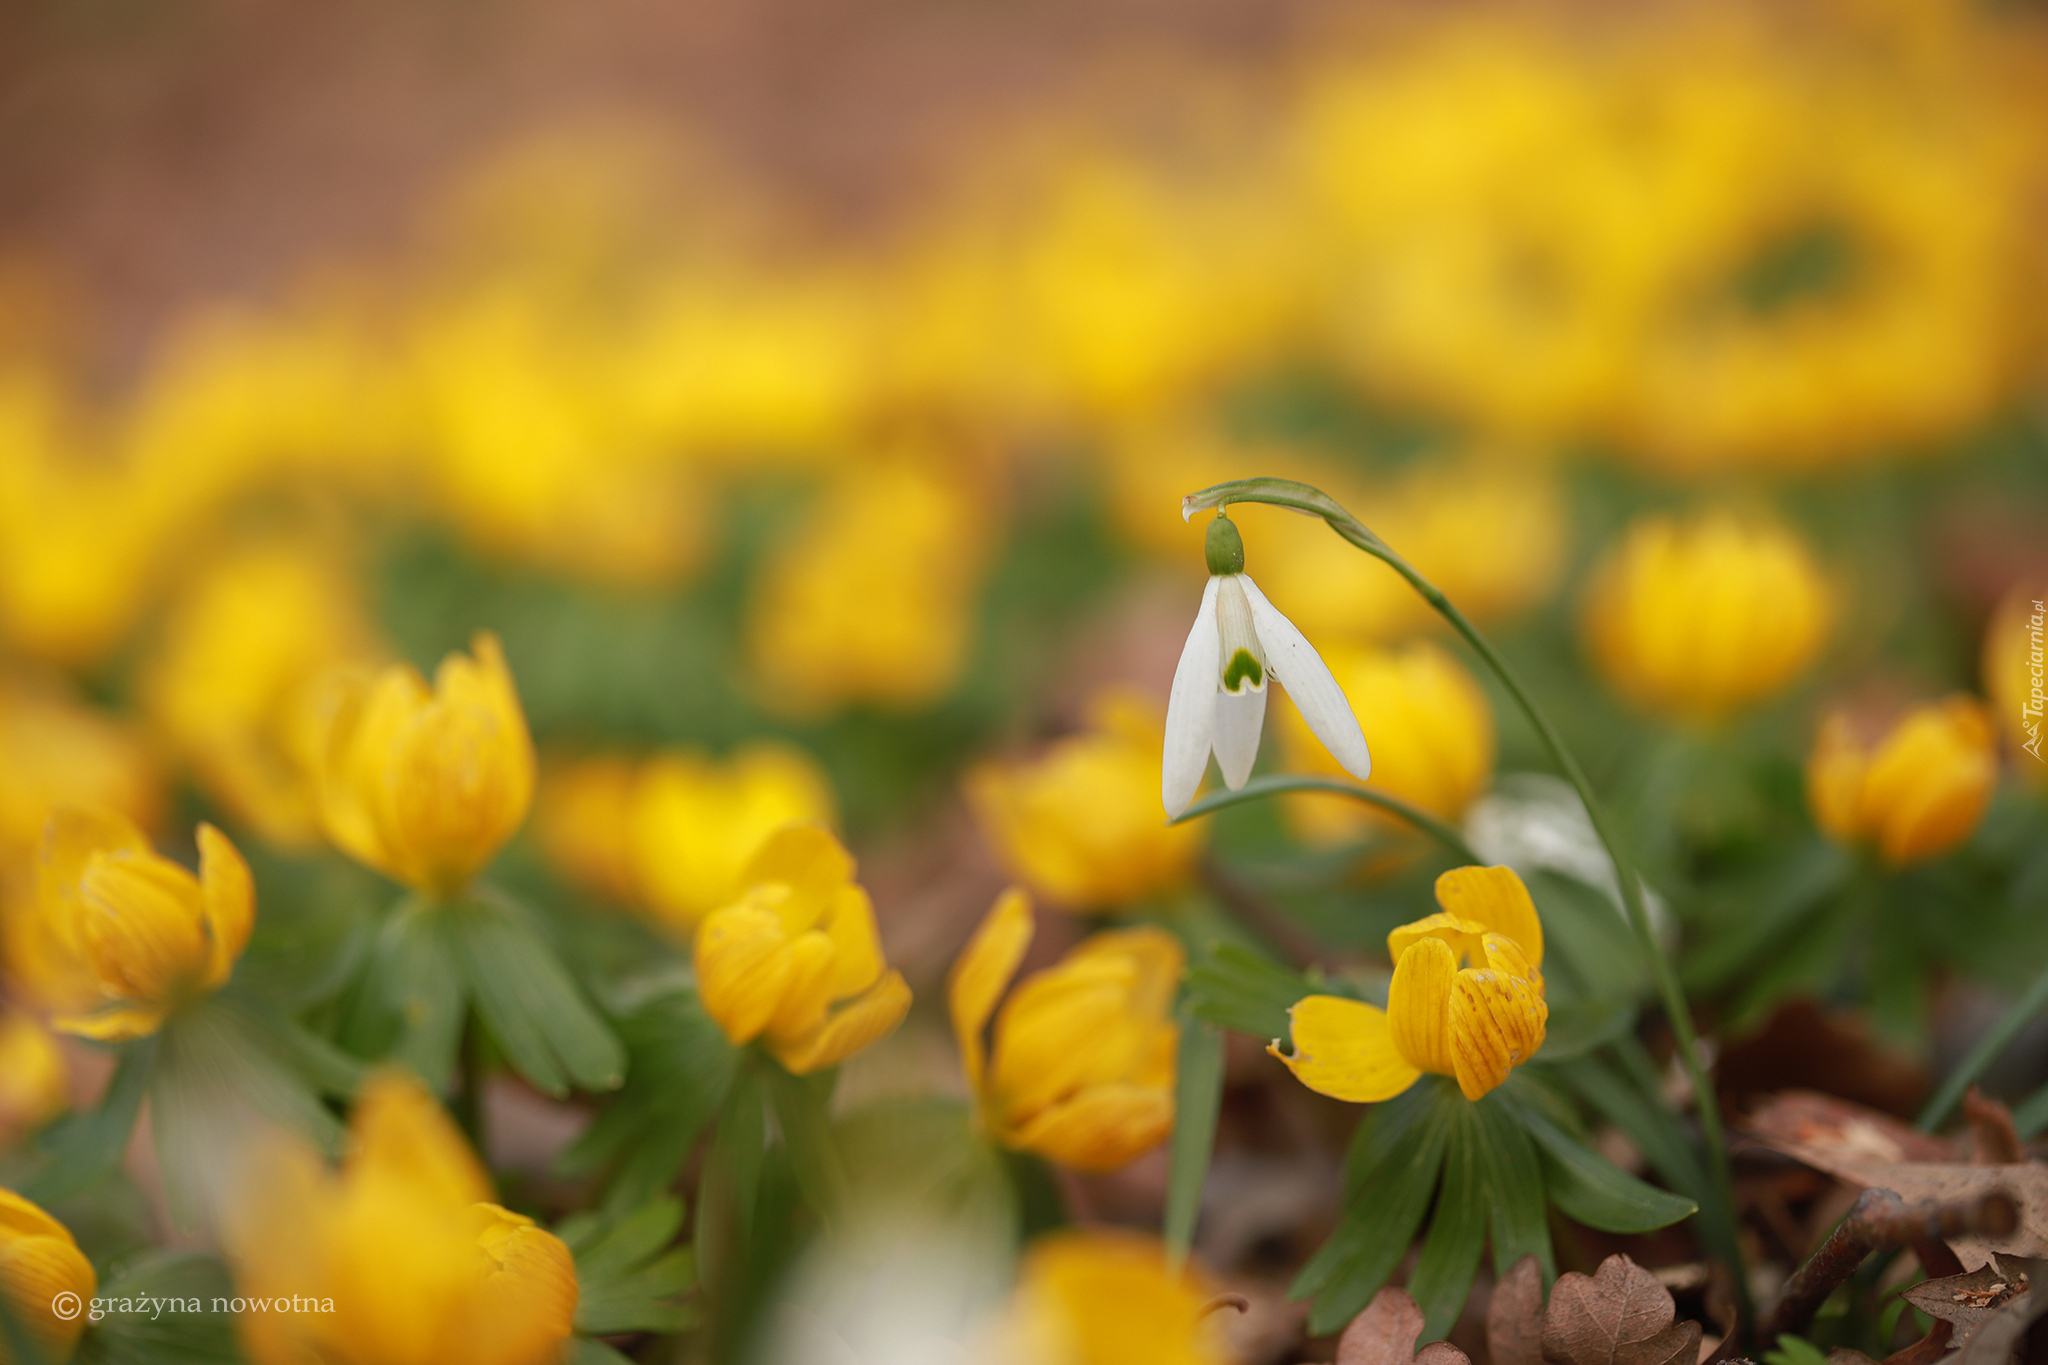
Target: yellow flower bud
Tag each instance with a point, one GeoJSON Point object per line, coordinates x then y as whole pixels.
{"type": "Point", "coordinates": [399, 1258]}
{"type": "Point", "coordinates": [1432, 738]}
{"type": "Point", "coordinates": [426, 785]}
{"type": "Point", "coordinates": [33, 1075]}
{"type": "Point", "coordinates": [796, 961]}
{"type": "Point", "coordinates": [234, 678]}
{"type": "Point", "coordinates": [673, 835]}
{"type": "Point", "coordinates": [1081, 824]}
{"type": "Point", "coordinates": [1082, 1063]}
{"type": "Point", "coordinates": [1698, 619]}
{"type": "Point", "coordinates": [1475, 1023]}
{"type": "Point", "coordinates": [2016, 675]}
{"type": "Point", "coordinates": [1092, 1297]}
{"type": "Point", "coordinates": [116, 936]}
{"type": "Point", "coordinates": [40, 1263]}
{"type": "Point", "coordinates": [1918, 794]}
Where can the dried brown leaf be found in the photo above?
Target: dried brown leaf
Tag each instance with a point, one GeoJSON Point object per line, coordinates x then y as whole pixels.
{"type": "Point", "coordinates": [1993, 1139]}
{"type": "Point", "coordinates": [1620, 1315]}
{"type": "Point", "coordinates": [1514, 1316]}
{"type": "Point", "coordinates": [1384, 1334]}
{"type": "Point", "coordinates": [1874, 1150]}
{"type": "Point", "coordinates": [2005, 1329]}
{"type": "Point", "coordinates": [1441, 1353]}
{"type": "Point", "coordinates": [1844, 1355]}
{"type": "Point", "coordinates": [1967, 1301]}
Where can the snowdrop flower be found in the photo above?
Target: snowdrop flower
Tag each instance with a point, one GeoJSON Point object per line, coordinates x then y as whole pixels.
{"type": "Point", "coordinates": [1238, 643]}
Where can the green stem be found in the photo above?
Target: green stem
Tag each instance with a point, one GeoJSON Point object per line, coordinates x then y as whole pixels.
{"type": "Point", "coordinates": [1303, 498]}
{"type": "Point", "coordinates": [1984, 1054]}
{"type": "Point", "coordinates": [1261, 787]}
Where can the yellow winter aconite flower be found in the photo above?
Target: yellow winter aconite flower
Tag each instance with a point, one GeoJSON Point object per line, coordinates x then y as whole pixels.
{"type": "Point", "coordinates": [2016, 674]}
{"type": "Point", "coordinates": [399, 1258]}
{"type": "Point", "coordinates": [55, 750]}
{"type": "Point", "coordinates": [1918, 793]}
{"type": "Point", "coordinates": [1432, 738]}
{"type": "Point", "coordinates": [426, 784]}
{"type": "Point", "coordinates": [1091, 1297]}
{"type": "Point", "coordinates": [671, 835]}
{"type": "Point", "coordinates": [1476, 1023]}
{"type": "Point", "coordinates": [871, 601]}
{"type": "Point", "coordinates": [39, 1262]}
{"type": "Point", "coordinates": [32, 1075]}
{"type": "Point", "coordinates": [795, 961]}
{"type": "Point", "coordinates": [233, 681]}
{"type": "Point", "coordinates": [1080, 1068]}
{"type": "Point", "coordinates": [1698, 618]}
{"type": "Point", "coordinates": [1081, 823]}
{"type": "Point", "coordinates": [118, 936]}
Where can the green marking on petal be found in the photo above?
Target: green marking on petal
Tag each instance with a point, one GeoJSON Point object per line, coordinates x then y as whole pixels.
{"type": "Point", "coordinates": [1243, 667]}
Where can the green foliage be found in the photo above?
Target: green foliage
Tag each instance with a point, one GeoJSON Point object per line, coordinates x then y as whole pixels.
{"type": "Point", "coordinates": [630, 1274]}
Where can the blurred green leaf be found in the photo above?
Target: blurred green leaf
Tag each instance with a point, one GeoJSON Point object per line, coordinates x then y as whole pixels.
{"type": "Point", "coordinates": [803, 1112]}
{"type": "Point", "coordinates": [1583, 1026]}
{"type": "Point", "coordinates": [412, 999]}
{"type": "Point", "coordinates": [163, 1337]}
{"type": "Point", "coordinates": [1236, 988]}
{"type": "Point", "coordinates": [630, 1274]}
{"type": "Point", "coordinates": [85, 1146]}
{"type": "Point", "coordinates": [1197, 1100]}
{"type": "Point", "coordinates": [535, 1011]}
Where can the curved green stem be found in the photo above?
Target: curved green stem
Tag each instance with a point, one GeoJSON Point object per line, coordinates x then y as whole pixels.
{"type": "Point", "coordinates": [1303, 498]}
{"type": "Point", "coordinates": [1261, 787]}
{"type": "Point", "coordinates": [1984, 1054]}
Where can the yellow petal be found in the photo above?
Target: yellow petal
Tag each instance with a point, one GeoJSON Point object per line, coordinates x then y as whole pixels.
{"type": "Point", "coordinates": [1419, 1004]}
{"type": "Point", "coordinates": [530, 1278]}
{"type": "Point", "coordinates": [72, 836]}
{"type": "Point", "coordinates": [806, 973]}
{"type": "Point", "coordinates": [229, 896]}
{"type": "Point", "coordinates": [807, 860]}
{"type": "Point", "coordinates": [742, 968]}
{"type": "Point", "coordinates": [1834, 779]}
{"type": "Point", "coordinates": [981, 973]}
{"type": "Point", "coordinates": [1101, 1128]}
{"type": "Point", "coordinates": [1462, 935]}
{"type": "Point", "coordinates": [1157, 958]}
{"type": "Point", "coordinates": [1496, 898]}
{"type": "Point", "coordinates": [849, 1028]}
{"type": "Point", "coordinates": [1345, 1049]}
{"type": "Point", "coordinates": [1498, 1016]}
{"type": "Point", "coordinates": [1929, 782]}
{"type": "Point", "coordinates": [403, 1136]}
{"type": "Point", "coordinates": [142, 925]}
{"type": "Point", "coordinates": [34, 1271]}
{"type": "Point", "coordinates": [1063, 1028]}
{"type": "Point", "coordinates": [366, 716]}
{"type": "Point", "coordinates": [856, 946]}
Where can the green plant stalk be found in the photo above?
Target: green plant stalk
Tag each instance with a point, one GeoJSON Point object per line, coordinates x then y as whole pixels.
{"type": "Point", "coordinates": [1984, 1054]}
{"type": "Point", "coordinates": [1441, 830]}
{"type": "Point", "coordinates": [1302, 497]}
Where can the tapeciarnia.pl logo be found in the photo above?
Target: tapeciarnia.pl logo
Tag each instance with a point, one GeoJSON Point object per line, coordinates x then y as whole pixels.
{"type": "Point", "coordinates": [2031, 708]}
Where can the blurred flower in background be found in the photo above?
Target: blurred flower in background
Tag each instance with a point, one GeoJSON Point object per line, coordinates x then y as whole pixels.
{"type": "Point", "coordinates": [1081, 823]}
{"type": "Point", "coordinates": [39, 1263]}
{"type": "Point", "coordinates": [1097, 1297]}
{"type": "Point", "coordinates": [33, 1074]}
{"type": "Point", "coordinates": [1916, 793]}
{"type": "Point", "coordinates": [2015, 667]}
{"type": "Point", "coordinates": [1695, 619]}
{"type": "Point", "coordinates": [55, 750]}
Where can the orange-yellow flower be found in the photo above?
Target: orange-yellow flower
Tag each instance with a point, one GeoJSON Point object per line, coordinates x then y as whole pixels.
{"type": "Point", "coordinates": [1475, 1023]}
{"type": "Point", "coordinates": [40, 1263]}
{"type": "Point", "coordinates": [2016, 674]}
{"type": "Point", "coordinates": [117, 936]}
{"type": "Point", "coordinates": [1090, 1297]}
{"type": "Point", "coordinates": [399, 1258]}
{"type": "Point", "coordinates": [425, 785]}
{"type": "Point", "coordinates": [1697, 619]}
{"type": "Point", "coordinates": [1919, 793]}
{"type": "Point", "coordinates": [33, 1074]}
{"type": "Point", "coordinates": [1082, 1063]}
{"type": "Point", "coordinates": [1081, 823]}
{"type": "Point", "coordinates": [796, 961]}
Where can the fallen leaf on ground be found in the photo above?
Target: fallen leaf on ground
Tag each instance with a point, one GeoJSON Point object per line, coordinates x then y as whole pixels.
{"type": "Point", "coordinates": [1965, 1301]}
{"type": "Point", "coordinates": [1514, 1316]}
{"type": "Point", "coordinates": [1619, 1315]}
{"type": "Point", "coordinates": [1384, 1334]}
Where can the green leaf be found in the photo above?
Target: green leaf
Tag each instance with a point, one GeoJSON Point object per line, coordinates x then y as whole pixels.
{"type": "Point", "coordinates": [1584, 1026]}
{"type": "Point", "coordinates": [15, 1342]}
{"type": "Point", "coordinates": [1197, 1102]}
{"type": "Point", "coordinates": [162, 1336]}
{"type": "Point", "coordinates": [630, 1276]}
{"type": "Point", "coordinates": [1518, 1222]}
{"type": "Point", "coordinates": [731, 1185]}
{"type": "Point", "coordinates": [1648, 1124]}
{"type": "Point", "coordinates": [803, 1111]}
{"type": "Point", "coordinates": [1764, 910]}
{"type": "Point", "coordinates": [1457, 1229]}
{"type": "Point", "coordinates": [584, 1351]}
{"type": "Point", "coordinates": [1392, 1172]}
{"type": "Point", "coordinates": [85, 1146]}
{"type": "Point", "coordinates": [682, 1068]}
{"type": "Point", "coordinates": [413, 997]}
{"type": "Point", "coordinates": [1593, 1190]}
{"type": "Point", "coordinates": [1795, 1351]}
{"type": "Point", "coordinates": [549, 1032]}
{"type": "Point", "coordinates": [1238, 989]}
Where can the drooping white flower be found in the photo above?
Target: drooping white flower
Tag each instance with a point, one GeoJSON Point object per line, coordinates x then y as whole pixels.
{"type": "Point", "coordinates": [1239, 642]}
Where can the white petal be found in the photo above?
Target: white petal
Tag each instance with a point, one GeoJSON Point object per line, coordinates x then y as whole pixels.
{"type": "Point", "coordinates": [1191, 710]}
{"type": "Point", "coordinates": [1294, 661]}
{"type": "Point", "coordinates": [1239, 718]}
